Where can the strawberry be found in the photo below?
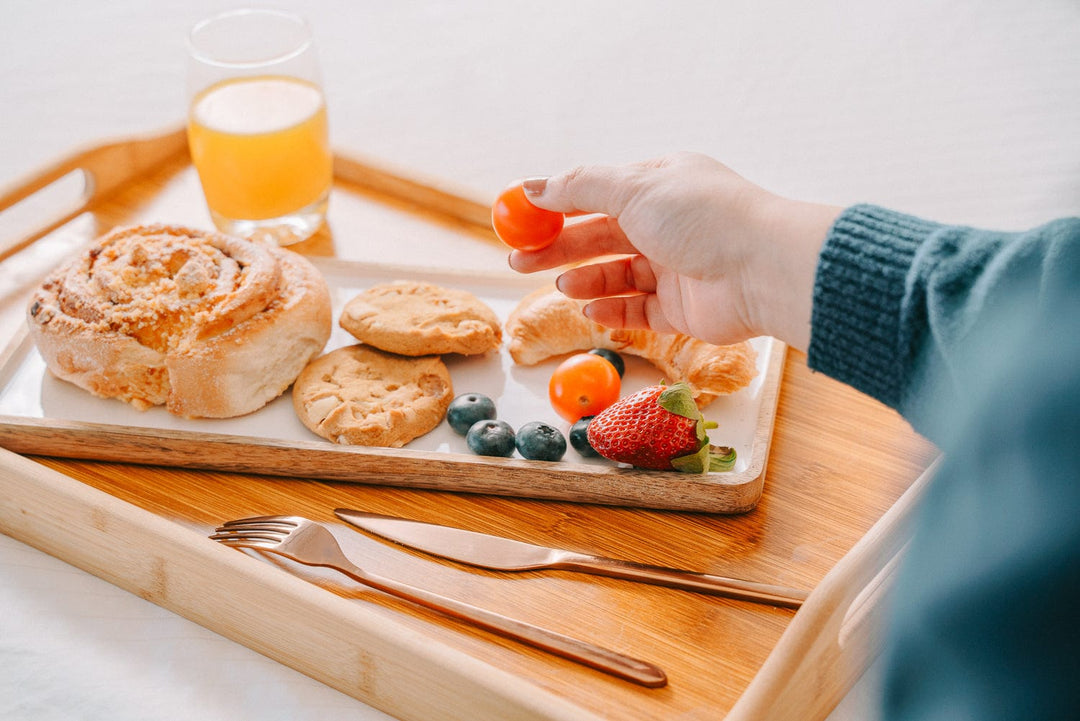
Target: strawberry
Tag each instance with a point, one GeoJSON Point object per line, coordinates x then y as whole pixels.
{"type": "Point", "coordinates": [659, 427]}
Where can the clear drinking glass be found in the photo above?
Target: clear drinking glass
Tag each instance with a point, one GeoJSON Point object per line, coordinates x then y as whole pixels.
{"type": "Point", "coordinates": [257, 126]}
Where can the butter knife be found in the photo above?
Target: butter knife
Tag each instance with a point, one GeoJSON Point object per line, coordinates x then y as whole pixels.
{"type": "Point", "coordinates": [504, 554]}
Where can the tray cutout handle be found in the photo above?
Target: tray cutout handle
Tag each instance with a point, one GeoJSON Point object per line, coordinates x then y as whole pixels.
{"type": "Point", "coordinates": [47, 199]}
{"type": "Point", "coordinates": [835, 636]}
{"type": "Point", "coordinates": [40, 212]}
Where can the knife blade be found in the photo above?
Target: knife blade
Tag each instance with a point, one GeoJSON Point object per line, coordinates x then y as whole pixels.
{"type": "Point", "coordinates": [504, 554]}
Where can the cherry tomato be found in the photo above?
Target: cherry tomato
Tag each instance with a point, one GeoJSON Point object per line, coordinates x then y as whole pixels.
{"type": "Point", "coordinates": [583, 385]}
{"type": "Point", "coordinates": [522, 225]}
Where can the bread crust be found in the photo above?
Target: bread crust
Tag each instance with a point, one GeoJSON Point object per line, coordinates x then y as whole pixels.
{"type": "Point", "coordinates": [207, 324]}
{"type": "Point", "coordinates": [546, 323]}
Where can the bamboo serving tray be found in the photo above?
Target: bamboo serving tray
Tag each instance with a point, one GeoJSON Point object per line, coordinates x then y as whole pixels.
{"type": "Point", "coordinates": [833, 518]}
{"type": "Point", "coordinates": [43, 416]}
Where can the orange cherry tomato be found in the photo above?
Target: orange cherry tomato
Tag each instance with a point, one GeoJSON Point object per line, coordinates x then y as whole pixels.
{"type": "Point", "coordinates": [522, 225]}
{"type": "Point", "coordinates": [583, 385]}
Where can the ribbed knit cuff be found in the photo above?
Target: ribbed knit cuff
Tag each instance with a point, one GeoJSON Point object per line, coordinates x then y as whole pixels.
{"type": "Point", "coordinates": [859, 294]}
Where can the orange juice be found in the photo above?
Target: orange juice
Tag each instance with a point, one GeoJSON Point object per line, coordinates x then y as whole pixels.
{"type": "Point", "coordinates": [261, 147]}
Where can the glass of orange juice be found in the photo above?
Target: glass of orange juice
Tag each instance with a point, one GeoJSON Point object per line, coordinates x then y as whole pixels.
{"type": "Point", "coordinates": [257, 125]}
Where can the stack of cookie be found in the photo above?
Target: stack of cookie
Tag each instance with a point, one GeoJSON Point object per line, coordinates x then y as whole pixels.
{"type": "Point", "coordinates": [393, 386]}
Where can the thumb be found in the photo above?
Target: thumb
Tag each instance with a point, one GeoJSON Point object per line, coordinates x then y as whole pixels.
{"type": "Point", "coordinates": [585, 189]}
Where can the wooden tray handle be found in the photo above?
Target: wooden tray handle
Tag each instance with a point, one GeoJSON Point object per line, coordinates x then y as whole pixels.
{"type": "Point", "coordinates": [101, 170]}
{"type": "Point", "coordinates": [97, 171]}
{"type": "Point", "coordinates": [836, 635]}
{"type": "Point", "coordinates": [429, 193]}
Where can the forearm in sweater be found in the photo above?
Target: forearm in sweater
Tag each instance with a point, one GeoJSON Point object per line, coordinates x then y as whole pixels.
{"type": "Point", "coordinates": [899, 302]}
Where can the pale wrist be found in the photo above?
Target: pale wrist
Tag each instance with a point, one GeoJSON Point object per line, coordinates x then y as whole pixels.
{"type": "Point", "coordinates": [793, 234]}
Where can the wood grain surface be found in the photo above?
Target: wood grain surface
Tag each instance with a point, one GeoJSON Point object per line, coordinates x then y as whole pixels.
{"type": "Point", "coordinates": [839, 461]}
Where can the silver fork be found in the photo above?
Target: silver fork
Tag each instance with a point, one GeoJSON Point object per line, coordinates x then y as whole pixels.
{"type": "Point", "coordinates": [312, 544]}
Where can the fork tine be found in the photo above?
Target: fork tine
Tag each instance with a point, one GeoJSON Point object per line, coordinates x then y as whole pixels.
{"type": "Point", "coordinates": [287, 521]}
{"type": "Point", "coordinates": [255, 542]}
{"type": "Point", "coordinates": [269, 536]}
{"type": "Point", "coordinates": [279, 528]}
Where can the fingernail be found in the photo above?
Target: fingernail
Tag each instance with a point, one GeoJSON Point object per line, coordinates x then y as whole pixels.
{"type": "Point", "coordinates": [534, 186]}
{"type": "Point", "coordinates": [510, 259]}
{"type": "Point", "coordinates": [558, 284]}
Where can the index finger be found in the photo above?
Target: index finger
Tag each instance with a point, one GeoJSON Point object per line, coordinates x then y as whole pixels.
{"type": "Point", "coordinates": [587, 189]}
{"type": "Point", "coordinates": [586, 239]}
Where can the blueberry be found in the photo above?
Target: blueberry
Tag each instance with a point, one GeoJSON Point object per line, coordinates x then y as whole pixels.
{"type": "Point", "coordinates": [540, 442]}
{"type": "Point", "coordinates": [490, 437]}
{"type": "Point", "coordinates": [467, 409]}
{"type": "Point", "coordinates": [579, 438]}
{"type": "Point", "coordinates": [611, 357]}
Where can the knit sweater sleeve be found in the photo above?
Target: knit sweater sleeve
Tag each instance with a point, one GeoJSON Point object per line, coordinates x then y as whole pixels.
{"type": "Point", "coordinates": [900, 303]}
{"type": "Point", "coordinates": [975, 337]}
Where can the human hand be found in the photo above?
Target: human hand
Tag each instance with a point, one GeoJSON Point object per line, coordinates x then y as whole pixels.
{"type": "Point", "coordinates": [704, 252]}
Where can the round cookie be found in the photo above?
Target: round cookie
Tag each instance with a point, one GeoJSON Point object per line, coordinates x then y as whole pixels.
{"type": "Point", "coordinates": [415, 318]}
{"type": "Point", "coordinates": [358, 395]}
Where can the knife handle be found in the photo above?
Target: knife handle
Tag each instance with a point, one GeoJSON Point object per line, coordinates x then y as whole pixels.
{"type": "Point", "coordinates": [583, 652]}
{"type": "Point", "coordinates": [685, 580]}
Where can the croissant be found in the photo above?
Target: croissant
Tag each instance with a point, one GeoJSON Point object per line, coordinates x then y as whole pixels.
{"type": "Point", "coordinates": [207, 324]}
{"type": "Point", "coordinates": [546, 323]}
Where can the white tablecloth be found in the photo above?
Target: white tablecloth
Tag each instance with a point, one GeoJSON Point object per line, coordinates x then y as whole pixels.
{"type": "Point", "coordinates": [964, 112]}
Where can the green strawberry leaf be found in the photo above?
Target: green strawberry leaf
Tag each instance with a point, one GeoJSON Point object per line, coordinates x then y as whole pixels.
{"type": "Point", "coordinates": [697, 462]}
{"type": "Point", "coordinates": [679, 400]}
{"type": "Point", "coordinates": [706, 459]}
{"type": "Point", "coordinates": [721, 458]}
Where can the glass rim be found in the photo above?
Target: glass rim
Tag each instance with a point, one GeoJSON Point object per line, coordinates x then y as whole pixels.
{"type": "Point", "coordinates": [203, 57]}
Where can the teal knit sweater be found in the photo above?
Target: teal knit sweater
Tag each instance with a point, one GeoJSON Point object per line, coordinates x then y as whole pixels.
{"type": "Point", "coordinates": [974, 336]}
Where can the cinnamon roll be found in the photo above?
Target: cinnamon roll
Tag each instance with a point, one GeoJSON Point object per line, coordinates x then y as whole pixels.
{"type": "Point", "coordinates": [207, 324]}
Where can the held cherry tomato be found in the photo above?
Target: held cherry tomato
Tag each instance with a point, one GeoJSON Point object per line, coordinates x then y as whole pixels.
{"type": "Point", "coordinates": [522, 225]}
{"type": "Point", "coordinates": [583, 385]}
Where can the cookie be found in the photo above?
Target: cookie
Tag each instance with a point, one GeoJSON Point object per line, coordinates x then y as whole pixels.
{"type": "Point", "coordinates": [414, 318]}
{"type": "Point", "coordinates": [358, 395]}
